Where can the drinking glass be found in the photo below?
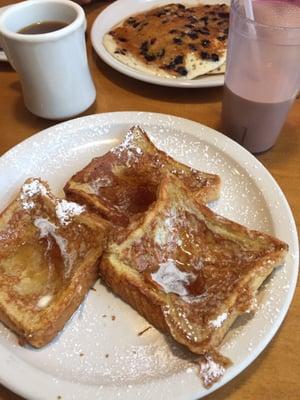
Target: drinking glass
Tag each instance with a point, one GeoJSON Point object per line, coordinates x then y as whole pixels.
{"type": "Point", "coordinates": [263, 71]}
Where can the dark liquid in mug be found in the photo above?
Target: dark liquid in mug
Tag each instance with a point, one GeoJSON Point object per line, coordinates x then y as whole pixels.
{"type": "Point", "coordinates": [42, 27]}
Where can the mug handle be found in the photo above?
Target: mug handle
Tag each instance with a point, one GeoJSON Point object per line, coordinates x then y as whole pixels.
{"type": "Point", "coordinates": [6, 51]}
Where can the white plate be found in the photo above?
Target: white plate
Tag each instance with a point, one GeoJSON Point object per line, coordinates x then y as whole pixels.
{"type": "Point", "coordinates": [121, 10]}
{"type": "Point", "coordinates": [147, 366]}
{"type": "Point", "coordinates": [2, 54]}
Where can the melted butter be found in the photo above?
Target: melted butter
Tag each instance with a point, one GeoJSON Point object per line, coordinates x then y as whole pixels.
{"type": "Point", "coordinates": [48, 229]}
{"type": "Point", "coordinates": [32, 270]}
{"type": "Point", "coordinates": [44, 301]}
{"type": "Point", "coordinates": [172, 279]}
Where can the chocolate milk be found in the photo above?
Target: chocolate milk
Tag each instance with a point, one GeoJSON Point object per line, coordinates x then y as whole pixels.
{"type": "Point", "coordinates": [262, 71]}
{"type": "Point", "coordinates": [255, 125]}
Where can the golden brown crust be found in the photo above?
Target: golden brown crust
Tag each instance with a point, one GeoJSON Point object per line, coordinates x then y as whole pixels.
{"type": "Point", "coordinates": [135, 293]}
{"type": "Point", "coordinates": [124, 181]}
{"type": "Point", "coordinates": [195, 271]}
{"type": "Point", "coordinates": [49, 256]}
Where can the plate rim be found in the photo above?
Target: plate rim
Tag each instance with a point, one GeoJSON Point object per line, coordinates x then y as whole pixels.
{"type": "Point", "coordinates": [212, 138]}
{"type": "Point", "coordinates": [210, 81]}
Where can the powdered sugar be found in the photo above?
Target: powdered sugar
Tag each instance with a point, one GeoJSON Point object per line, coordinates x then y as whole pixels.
{"type": "Point", "coordinates": [218, 322]}
{"type": "Point", "coordinates": [165, 234]}
{"type": "Point", "coordinates": [97, 184]}
{"type": "Point", "coordinates": [210, 370]}
{"type": "Point", "coordinates": [29, 190]}
{"type": "Point", "coordinates": [133, 151]}
{"type": "Point", "coordinates": [65, 210]}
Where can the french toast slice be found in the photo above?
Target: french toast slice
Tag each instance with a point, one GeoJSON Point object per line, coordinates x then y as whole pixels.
{"type": "Point", "coordinates": [187, 270]}
{"type": "Point", "coordinates": [123, 182]}
{"type": "Point", "coordinates": [49, 255]}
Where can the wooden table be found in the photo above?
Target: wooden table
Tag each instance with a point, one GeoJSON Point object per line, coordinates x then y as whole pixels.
{"type": "Point", "coordinates": [275, 373]}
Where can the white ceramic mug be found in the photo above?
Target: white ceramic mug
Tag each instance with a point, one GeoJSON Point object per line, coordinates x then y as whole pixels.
{"type": "Point", "coordinates": [53, 66]}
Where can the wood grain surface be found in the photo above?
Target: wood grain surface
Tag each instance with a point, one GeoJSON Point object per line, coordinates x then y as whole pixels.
{"type": "Point", "coordinates": [275, 375]}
